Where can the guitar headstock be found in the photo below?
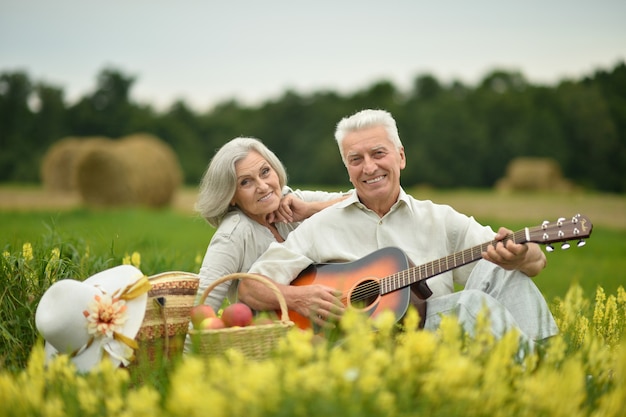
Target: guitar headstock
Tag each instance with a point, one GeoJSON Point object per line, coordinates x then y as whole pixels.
{"type": "Point", "coordinates": [563, 230]}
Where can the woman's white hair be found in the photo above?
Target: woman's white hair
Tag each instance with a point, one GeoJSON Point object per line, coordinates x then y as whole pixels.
{"type": "Point", "coordinates": [219, 182]}
{"type": "Point", "coordinates": [365, 119]}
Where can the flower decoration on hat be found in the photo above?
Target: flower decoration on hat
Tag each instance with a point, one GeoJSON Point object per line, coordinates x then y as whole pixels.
{"type": "Point", "coordinates": [106, 315]}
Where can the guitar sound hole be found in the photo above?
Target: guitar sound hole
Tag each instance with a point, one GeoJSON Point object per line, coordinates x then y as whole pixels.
{"type": "Point", "coordinates": [365, 293]}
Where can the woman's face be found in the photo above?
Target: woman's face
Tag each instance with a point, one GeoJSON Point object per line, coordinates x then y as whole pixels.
{"type": "Point", "coordinates": [258, 191]}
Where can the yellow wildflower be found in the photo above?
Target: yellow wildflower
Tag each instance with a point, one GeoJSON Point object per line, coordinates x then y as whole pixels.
{"type": "Point", "coordinates": [144, 402]}
{"type": "Point", "coordinates": [499, 372]}
{"type": "Point", "coordinates": [134, 259]}
{"type": "Point", "coordinates": [555, 352]}
{"type": "Point", "coordinates": [27, 252]}
{"type": "Point", "coordinates": [598, 312]}
{"type": "Point", "coordinates": [88, 399]}
{"type": "Point", "coordinates": [53, 263]}
{"type": "Point", "coordinates": [569, 309]}
{"type": "Point", "coordinates": [10, 394]}
{"type": "Point", "coordinates": [483, 339]}
{"type": "Point", "coordinates": [621, 296]}
{"type": "Point", "coordinates": [450, 333]}
{"type": "Point", "coordinates": [55, 254]}
{"type": "Point", "coordinates": [610, 330]}
{"type": "Point", "coordinates": [580, 331]}
{"type": "Point", "coordinates": [565, 396]}
{"type": "Point", "coordinates": [53, 407]}
{"type": "Point", "coordinates": [298, 345]}
{"type": "Point", "coordinates": [612, 403]}
{"type": "Point", "coordinates": [192, 390]}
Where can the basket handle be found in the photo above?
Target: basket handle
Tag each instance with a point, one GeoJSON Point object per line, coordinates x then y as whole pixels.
{"type": "Point", "coordinates": [284, 314]}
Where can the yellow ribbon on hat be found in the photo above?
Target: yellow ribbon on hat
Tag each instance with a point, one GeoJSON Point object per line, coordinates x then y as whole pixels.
{"type": "Point", "coordinates": [131, 291]}
{"type": "Point", "coordinates": [139, 287]}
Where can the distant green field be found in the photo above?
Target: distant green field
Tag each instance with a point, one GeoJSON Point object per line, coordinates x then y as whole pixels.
{"type": "Point", "coordinates": [165, 239]}
{"type": "Point", "coordinates": [169, 240]}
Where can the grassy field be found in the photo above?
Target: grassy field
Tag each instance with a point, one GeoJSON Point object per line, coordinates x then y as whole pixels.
{"type": "Point", "coordinates": [579, 372]}
{"type": "Point", "coordinates": [176, 238]}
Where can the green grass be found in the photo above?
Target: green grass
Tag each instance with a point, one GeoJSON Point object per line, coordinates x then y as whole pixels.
{"type": "Point", "coordinates": [165, 239]}
{"type": "Point", "coordinates": [169, 240]}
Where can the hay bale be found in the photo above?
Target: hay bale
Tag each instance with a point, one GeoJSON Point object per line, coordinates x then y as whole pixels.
{"type": "Point", "coordinates": [101, 179]}
{"type": "Point", "coordinates": [135, 170]}
{"type": "Point", "coordinates": [59, 163]}
{"type": "Point", "coordinates": [533, 174]}
{"type": "Point", "coordinates": [157, 173]}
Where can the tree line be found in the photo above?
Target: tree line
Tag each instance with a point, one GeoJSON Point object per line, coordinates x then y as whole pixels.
{"type": "Point", "coordinates": [455, 135]}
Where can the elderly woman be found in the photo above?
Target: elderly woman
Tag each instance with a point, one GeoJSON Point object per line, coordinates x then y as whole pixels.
{"type": "Point", "coordinates": [244, 195]}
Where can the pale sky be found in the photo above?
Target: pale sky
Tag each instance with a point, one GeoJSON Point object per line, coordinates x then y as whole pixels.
{"type": "Point", "coordinates": [204, 51]}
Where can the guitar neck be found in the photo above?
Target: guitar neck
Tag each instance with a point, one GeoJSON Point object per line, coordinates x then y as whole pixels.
{"type": "Point", "coordinates": [412, 275]}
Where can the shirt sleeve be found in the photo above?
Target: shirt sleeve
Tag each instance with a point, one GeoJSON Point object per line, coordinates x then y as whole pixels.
{"type": "Point", "coordinates": [473, 234]}
{"type": "Point", "coordinates": [223, 257]}
{"type": "Point", "coordinates": [307, 195]}
{"type": "Point", "coordinates": [280, 264]}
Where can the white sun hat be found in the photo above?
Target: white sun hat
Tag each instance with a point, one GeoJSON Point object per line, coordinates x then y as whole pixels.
{"type": "Point", "coordinates": [94, 319]}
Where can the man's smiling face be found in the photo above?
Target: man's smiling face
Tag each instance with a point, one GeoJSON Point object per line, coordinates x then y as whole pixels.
{"type": "Point", "coordinates": [374, 166]}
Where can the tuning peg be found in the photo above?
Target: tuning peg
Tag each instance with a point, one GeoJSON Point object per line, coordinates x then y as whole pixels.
{"type": "Point", "coordinates": [581, 243]}
{"type": "Point", "coordinates": [565, 245]}
{"type": "Point", "coordinates": [549, 248]}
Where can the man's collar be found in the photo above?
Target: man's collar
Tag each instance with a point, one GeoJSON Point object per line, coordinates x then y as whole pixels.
{"type": "Point", "coordinates": [405, 198]}
{"type": "Point", "coordinates": [353, 199]}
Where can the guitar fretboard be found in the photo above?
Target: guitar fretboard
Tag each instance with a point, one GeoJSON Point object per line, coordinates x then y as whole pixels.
{"type": "Point", "coordinates": [428, 270]}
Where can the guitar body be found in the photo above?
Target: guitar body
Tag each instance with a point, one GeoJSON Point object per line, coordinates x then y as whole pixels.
{"type": "Point", "coordinates": [359, 282]}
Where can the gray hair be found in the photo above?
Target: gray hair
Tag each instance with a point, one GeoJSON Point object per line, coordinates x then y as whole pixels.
{"type": "Point", "coordinates": [219, 182]}
{"type": "Point", "coordinates": [365, 119]}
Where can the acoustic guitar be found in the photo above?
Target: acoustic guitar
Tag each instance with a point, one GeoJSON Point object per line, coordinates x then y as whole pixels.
{"type": "Point", "coordinates": [381, 280]}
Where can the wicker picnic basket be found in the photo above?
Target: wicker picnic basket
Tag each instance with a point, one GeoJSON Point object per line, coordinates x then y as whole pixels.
{"type": "Point", "coordinates": [168, 312]}
{"type": "Point", "coordinates": [255, 341]}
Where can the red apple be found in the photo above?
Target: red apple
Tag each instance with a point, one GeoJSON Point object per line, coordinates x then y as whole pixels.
{"type": "Point", "coordinates": [237, 314]}
{"type": "Point", "coordinates": [199, 313]}
{"type": "Point", "coordinates": [212, 323]}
